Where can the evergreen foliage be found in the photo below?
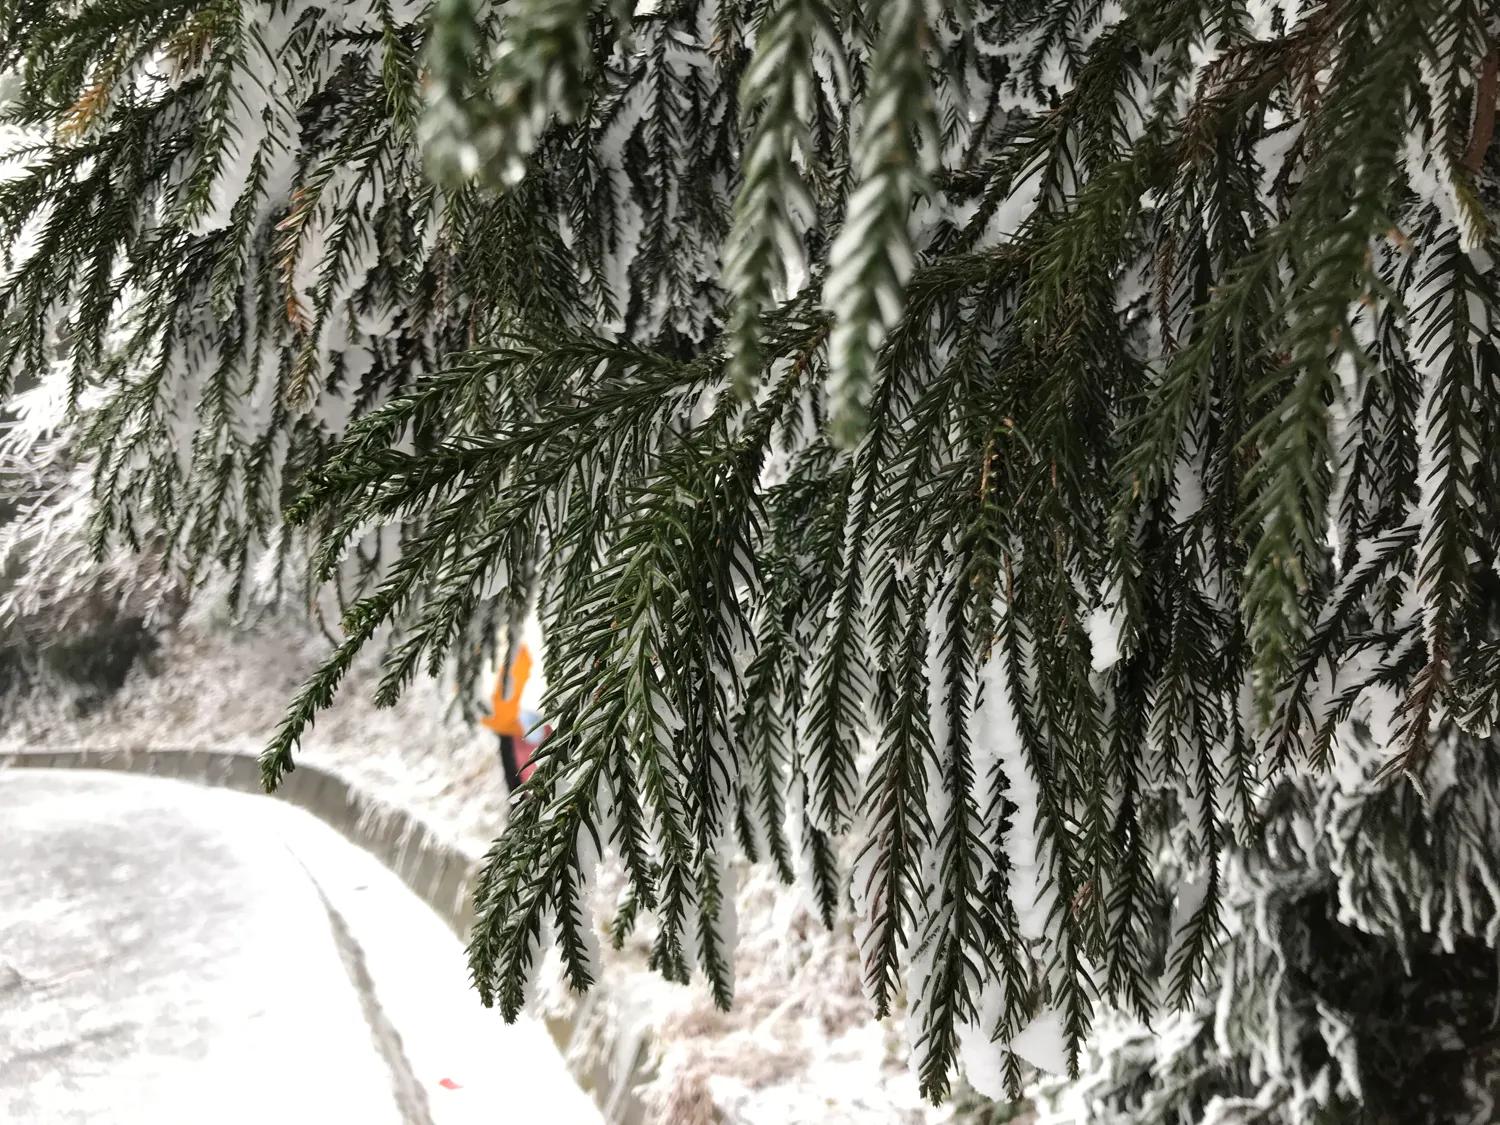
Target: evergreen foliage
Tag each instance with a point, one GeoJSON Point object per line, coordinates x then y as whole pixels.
{"type": "Point", "coordinates": [1357, 981]}
{"type": "Point", "coordinates": [973, 457]}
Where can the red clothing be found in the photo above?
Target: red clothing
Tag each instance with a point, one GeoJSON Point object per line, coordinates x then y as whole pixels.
{"type": "Point", "coordinates": [507, 720]}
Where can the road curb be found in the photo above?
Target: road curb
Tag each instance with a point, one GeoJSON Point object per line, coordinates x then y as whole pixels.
{"type": "Point", "coordinates": [603, 1048]}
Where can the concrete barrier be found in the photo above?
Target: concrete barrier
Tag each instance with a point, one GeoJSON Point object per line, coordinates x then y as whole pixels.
{"type": "Point", "coordinates": [604, 1048]}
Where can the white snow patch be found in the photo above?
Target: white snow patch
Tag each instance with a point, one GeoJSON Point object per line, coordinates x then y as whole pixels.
{"type": "Point", "coordinates": [1044, 1042]}
{"type": "Point", "coordinates": [1103, 627]}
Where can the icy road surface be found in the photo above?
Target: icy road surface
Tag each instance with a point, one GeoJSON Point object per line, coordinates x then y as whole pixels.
{"type": "Point", "coordinates": [175, 954]}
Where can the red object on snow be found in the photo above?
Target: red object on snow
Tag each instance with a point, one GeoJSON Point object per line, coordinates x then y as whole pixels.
{"type": "Point", "coordinates": [449, 1084]}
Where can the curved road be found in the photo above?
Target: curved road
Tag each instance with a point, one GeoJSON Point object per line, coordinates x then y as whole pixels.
{"type": "Point", "coordinates": [170, 953]}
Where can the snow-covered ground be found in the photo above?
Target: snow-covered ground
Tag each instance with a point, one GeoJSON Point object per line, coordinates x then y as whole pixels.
{"type": "Point", "coordinates": [173, 955]}
{"type": "Point", "coordinates": [799, 1044]}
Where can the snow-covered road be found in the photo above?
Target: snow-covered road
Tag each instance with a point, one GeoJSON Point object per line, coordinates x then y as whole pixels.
{"type": "Point", "coordinates": [174, 954]}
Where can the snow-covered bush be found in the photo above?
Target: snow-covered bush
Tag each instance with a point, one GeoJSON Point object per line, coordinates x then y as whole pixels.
{"type": "Point", "coordinates": [69, 613]}
{"type": "Point", "coordinates": [1359, 976]}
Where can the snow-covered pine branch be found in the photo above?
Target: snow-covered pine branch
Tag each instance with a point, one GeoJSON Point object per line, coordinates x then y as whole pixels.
{"type": "Point", "coordinates": [976, 457]}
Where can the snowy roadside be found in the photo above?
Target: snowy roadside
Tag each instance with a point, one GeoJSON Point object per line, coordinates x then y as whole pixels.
{"type": "Point", "coordinates": [798, 1045]}
{"type": "Point", "coordinates": [210, 687]}
{"type": "Point", "coordinates": [362, 1013]}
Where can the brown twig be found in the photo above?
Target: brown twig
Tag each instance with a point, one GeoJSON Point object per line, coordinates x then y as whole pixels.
{"type": "Point", "coordinates": [1484, 111]}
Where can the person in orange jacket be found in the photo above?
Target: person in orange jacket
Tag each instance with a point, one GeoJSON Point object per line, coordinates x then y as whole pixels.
{"type": "Point", "coordinates": [511, 723]}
